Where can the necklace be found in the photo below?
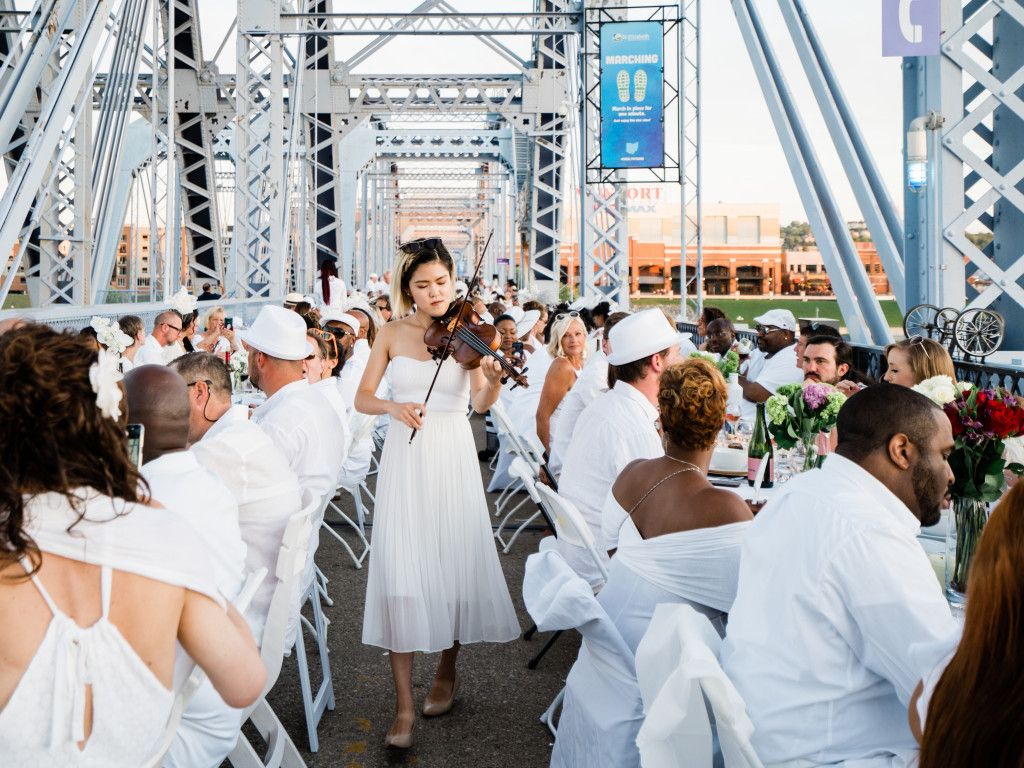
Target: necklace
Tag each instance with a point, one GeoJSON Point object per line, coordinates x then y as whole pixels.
{"type": "Point", "coordinates": [689, 464]}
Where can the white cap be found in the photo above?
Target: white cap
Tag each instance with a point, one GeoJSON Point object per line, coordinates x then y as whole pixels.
{"type": "Point", "coordinates": [278, 332]}
{"type": "Point", "coordinates": [640, 335]}
{"type": "Point", "coordinates": [525, 324]}
{"type": "Point", "coordinates": [780, 318]}
{"type": "Point", "coordinates": [334, 316]}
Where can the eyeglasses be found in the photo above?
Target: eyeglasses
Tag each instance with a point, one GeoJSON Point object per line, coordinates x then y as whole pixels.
{"type": "Point", "coordinates": [423, 244]}
{"type": "Point", "coordinates": [176, 328]}
{"type": "Point", "coordinates": [325, 336]}
{"type": "Point", "coordinates": [766, 329]}
{"type": "Point", "coordinates": [207, 382]}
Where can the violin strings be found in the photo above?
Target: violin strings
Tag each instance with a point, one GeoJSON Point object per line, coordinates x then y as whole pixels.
{"type": "Point", "coordinates": [481, 347]}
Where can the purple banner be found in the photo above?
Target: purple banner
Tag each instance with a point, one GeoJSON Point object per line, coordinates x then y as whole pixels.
{"type": "Point", "coordinates": [910, 27]}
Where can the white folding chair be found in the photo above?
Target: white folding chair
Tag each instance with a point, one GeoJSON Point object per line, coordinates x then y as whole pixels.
{"type": "Point", "coordinates": [354, 487]}
{"type": "Point", "coordinates": [677, 671]}
{"type": "Point", "coordinates": [314, 704]}
{"type": "Point", "coordinates": [518, 446]}
{"type": "Point", "coordinates": [523, 472]}
{"type": "Point", "coordinates": [570, 527]}
{"type": "Point", "coordinates": [291, 563]}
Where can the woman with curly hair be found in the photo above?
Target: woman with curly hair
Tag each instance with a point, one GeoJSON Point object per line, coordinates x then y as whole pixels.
{"type": "Point", "coordinates": [97, 581]}
{"type": "Point", "coordinates": [680, 540]}
{"type": "Point", "coordinates": [679, 543]}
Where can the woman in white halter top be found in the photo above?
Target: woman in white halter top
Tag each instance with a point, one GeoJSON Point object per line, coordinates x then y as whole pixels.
{"type": "Point", "coordinates": [568, 348]}
{"type": "Point", "coordinates": [96, 584]}
{"type": "Point", "coordinates": [434, 577]}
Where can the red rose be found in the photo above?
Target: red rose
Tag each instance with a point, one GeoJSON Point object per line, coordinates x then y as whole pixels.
{"type": "Point", "coordinates": [954, 419]}
{"type": "Point", "coordinates": [997, 417]}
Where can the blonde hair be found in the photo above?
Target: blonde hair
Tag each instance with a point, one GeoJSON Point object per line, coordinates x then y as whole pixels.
{"type": "Point", "coordinates": [925, 357]}
{"type": "Point", "coordinates": [210, 315]}
{"type": "Point", "coordinates": [405, 264]}
{"type": "Point", "coordinates": [559, 329]}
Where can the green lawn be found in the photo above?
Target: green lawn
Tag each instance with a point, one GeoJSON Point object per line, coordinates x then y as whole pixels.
{"type": "Point", "coordinates": [16, 301]}
{"type": "Point", "coordinates": [745, 310]}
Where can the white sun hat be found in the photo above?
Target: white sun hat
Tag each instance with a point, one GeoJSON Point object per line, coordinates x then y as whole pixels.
{"type": "Point", "coordinates": [525, 324]}
{"type": "Point", "coordinates": [278, 332]}
{"type": "Point", "coordinates": [640, 335]}
{"type": "Point", "coordinates": [334, 316]}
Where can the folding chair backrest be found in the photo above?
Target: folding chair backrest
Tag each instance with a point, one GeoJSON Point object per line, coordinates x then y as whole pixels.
{"type": "Point", "coordinates": [677, 670]}
{"type": "Point", "coordinates": [520, 469]}
{"type": "Point", "coordinates": [291, 561]}
{"type": "Point", "coordinates": [570, 527]}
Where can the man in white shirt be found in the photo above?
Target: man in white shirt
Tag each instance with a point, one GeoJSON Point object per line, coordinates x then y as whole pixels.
{"type": "Point", "coordinates": [158, 399]}
{"type": "Point", "coordinates": [225, 442]}
{"type": "Point", "coordinates": [774, 363]}
{"type": "Point", "coordinates": [299, 419]}
{"type": "Point", "coordinates": [838, 613]}
{"type": "Point", "coordinates": [166, 329]}
{"type": "Point", "coordinates": [618, 427]}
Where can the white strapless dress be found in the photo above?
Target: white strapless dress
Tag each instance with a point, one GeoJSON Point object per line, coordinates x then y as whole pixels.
{"type": "Point", "coordinates": [434, 576]}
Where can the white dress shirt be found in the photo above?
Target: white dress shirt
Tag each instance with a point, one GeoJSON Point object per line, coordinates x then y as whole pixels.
{"type": "Point", "coordinates": [265, 488]}
{"type": "Point", "coordinates": [305, 426]}
{"type": "Point", "coordinates": [618, 427]}
{"type": "Point", "coordinates": [352, 372]}
{"type": "Point", "coordinates": [178, 482]}
{"type": "Point", "coordinates": [771, 372]}
{"type": "Point", "coordinates": [835, 602]}
{"type": "Point", "coordinates": [150, 353]}
{"type": "Point", "coordinates": [592, 381]}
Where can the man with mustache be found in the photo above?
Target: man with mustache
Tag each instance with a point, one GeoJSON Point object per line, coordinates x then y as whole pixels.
{"type": "Point", "coordinates": [838, 612]}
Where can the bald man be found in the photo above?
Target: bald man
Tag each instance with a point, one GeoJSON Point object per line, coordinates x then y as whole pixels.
{"type": "Point", "coordinates": [158, 399]}
{"type": "Point", "coordinates": [166, 330]}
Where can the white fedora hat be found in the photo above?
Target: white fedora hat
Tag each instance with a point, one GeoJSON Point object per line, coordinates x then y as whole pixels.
{"type": "Point", "coordinates": [525, 324]}
{"type": "Point", "coordinates": [334, 316]}
{"type": "Point", "coordinates": [640, 335]}
{"type": "Point", "coordinates": [280, 333]}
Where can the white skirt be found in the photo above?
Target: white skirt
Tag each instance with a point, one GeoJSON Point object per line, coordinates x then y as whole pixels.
{"type": "Point", "coordinates": [434, 573]}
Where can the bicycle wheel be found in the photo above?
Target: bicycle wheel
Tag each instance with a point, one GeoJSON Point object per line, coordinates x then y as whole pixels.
{"type": "Point", "coordinates": [921, 320]}
{"type": "Point", "coordinates": [979, 332]}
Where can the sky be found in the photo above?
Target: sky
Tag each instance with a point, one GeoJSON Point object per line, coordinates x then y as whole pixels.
{"type": "Point", "coordinates": [742, 159]}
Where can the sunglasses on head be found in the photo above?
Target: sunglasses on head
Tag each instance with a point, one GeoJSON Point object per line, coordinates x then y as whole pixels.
{"type": "Point", "coordinates": [572, 313]}
{"type": "Point", "coordinates": [423, 244]}
{"type": "Point", "coordinates": [918, 341]}
{"type": "Point", "coordinates": [325, 336]}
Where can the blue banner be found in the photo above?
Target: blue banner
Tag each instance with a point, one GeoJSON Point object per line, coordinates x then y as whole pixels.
{"type": "Point", "coordinates": [632, 107]}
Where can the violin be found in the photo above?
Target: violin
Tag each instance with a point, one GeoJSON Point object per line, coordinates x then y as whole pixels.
{"type": "Point", "coordinates": [462, 334]}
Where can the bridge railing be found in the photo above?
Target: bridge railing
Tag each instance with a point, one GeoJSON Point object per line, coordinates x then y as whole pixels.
{"type": "Point", "coordinates": [870, 360]}
{"type": "Point", "coordinates": [75, 317]}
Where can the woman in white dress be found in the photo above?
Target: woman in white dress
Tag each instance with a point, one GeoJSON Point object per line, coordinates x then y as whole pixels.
{"type": "Point", "coordinates": [434, 577]}
{"type": "Point", "coordinates": [97, 582]}
{"type": "Point", "coordinates": [568, 349]}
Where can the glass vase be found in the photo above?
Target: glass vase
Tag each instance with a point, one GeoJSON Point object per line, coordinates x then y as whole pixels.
{"type": "Point", "coordinates": [804, 455]}
{"type": "Point", "coordinates": [962, 534]}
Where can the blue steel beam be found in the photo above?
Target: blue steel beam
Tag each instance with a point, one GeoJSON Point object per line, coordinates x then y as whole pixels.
{"type": "Point", "coordinates": [876, 206]}
{"type": "Point", "coordinates": [857, 301]}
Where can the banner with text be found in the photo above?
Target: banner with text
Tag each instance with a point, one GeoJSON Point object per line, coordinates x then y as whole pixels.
{"type": "Point", "coordinates": [632, 106]}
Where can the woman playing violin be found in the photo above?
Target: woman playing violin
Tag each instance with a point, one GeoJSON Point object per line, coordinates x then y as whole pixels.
{"type": "Point", "coordinates": [435, 582]}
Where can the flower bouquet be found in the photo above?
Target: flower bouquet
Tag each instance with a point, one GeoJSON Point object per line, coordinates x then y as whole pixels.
{"type": "Point", "coordinates": [798, 413]}
{"type": "Point", "coordinates": [727, 364]}
{"type": "Point", "coordinates": [982, 419]}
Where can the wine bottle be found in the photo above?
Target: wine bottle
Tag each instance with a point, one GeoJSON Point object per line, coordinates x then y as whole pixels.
{"type": "Point", "coordinates": [760, 446]}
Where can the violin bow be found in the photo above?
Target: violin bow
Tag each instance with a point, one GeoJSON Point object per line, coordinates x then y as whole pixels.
{"type": "Point", "coordinates": [455, 328]}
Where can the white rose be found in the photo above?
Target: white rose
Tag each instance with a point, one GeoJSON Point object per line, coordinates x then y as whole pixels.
{"type": "Point", "coordinates": [183, 302]}
{"type": "Point", "coordinates": [938, 389]}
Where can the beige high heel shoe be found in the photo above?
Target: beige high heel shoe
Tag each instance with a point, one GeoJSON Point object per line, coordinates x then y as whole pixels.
{"type": "Point", "coordinates": [400, 740]}
{"type": "Point", "coordinates": [438, 708]}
